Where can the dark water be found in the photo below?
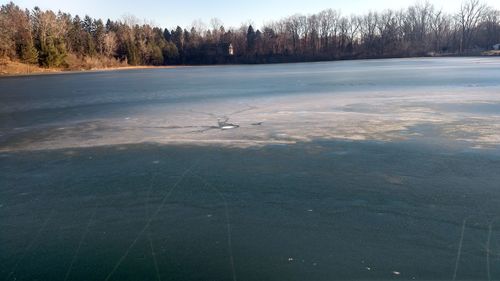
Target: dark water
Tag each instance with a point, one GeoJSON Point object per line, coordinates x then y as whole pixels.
{"type": "Point", "coordinates": [320, 211]}
{"type": "Point", "coordinates": [323, 210]}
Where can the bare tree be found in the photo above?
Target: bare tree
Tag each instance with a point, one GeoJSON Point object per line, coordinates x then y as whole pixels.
{"type": "Point", "coordinates": [353, 31]}
{"type": "Point", "coordinates": [441, 28]}
{"type": "Point", "coordinates": [369, 25]}
{"type": "Point", "coordinates": [328, 27]}
{"type": "Point", "coordinates": [489, 29]}
{"type": "Point", "coordinates": [216, 25]}
{"type": "Point", "coordinates": [469, 16]}
{"type": "Point", "coordinates": [313, 26]}
{"type": "Point", "coordinates": [6, 37]}
{"type": "Point", "coordinates": [110, 44]}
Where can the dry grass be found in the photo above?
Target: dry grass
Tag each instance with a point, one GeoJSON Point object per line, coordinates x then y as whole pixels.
{"type": "Point", "coordinates": [92, 63]}
{"type": "Point", "coordinates": [492, 53]}
{"type": "Point", "coordinates": [14, 68]}
{"type": "Point", "coordinates": [8, 67]}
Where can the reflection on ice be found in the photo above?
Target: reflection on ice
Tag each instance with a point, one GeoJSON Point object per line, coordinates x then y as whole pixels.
{"type": "Point", "coordinates": [297, 118]}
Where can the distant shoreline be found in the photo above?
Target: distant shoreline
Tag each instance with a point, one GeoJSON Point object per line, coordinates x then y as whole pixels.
{"type": "Point", "coordinates": [54, 71]}
{"type": "Point", "coordinates": [36, 70]}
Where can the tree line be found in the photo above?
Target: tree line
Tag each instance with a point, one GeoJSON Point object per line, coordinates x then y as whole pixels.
{"type": "Point", "coordinates": [52, 39]}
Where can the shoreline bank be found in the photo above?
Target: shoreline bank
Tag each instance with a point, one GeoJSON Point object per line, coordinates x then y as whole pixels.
{"type": "Point", "coordinates": [12, 69]}
{"type": "Point", "coordinates": [36, 71]}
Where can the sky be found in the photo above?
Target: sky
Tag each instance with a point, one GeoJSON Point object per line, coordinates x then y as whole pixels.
{"type": "Point", "coordinates": [170, 13]}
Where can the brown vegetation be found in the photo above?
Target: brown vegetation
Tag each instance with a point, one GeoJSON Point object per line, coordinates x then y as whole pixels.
{"type": "Point", "coordinates": [8, 67]}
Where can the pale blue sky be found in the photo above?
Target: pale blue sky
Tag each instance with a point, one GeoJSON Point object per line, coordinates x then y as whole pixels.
{"type": "Point", "coordinates": [169, 13]}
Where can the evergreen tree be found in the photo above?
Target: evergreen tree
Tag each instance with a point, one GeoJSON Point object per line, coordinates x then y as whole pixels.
{"type": "Point", "coordinates": [167, 35]}
{"type": "Point", "coordinates": [110, 26]}
{"type": "Point", "coordinates": [178, 37]}
{"type": "Point", "coordinates": [132, 53]}
{"type": "Point", "coordinates": [156, 56]}
{"type": "Point", "coordinates": [29, 54]}
{"type": "Point", "coordinates": [88, 38]}
{"type": "Point", "coordinates": [88, 25]}
{"type": "Point", "coordinates": [75, 33]}
{"type": "Point", "coordinates": [251, 37]}
{"type": "Point", "coordinates": [170, 54]}
{"type": "Point", "coordinates": [187, 37]}
{"type": "Point", "coordinates": [52, 53]}
{"type": "Point", "coordinates": [99, 36]}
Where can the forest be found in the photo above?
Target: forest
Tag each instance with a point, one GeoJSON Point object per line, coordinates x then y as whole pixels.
{"type": "Point", "coordinates": [60, 40]}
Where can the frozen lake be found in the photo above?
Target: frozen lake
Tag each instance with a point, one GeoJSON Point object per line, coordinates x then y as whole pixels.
{"type": "Point", "coordinates": [355, 170]}
{"type": "Point", "coordinates": [454, 99]}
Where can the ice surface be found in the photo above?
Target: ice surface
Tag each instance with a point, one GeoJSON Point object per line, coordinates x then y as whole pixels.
{"type": "Point", "coordinates": [408, 205]}
{"type": "Point", "coordinates": [387, 100]}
